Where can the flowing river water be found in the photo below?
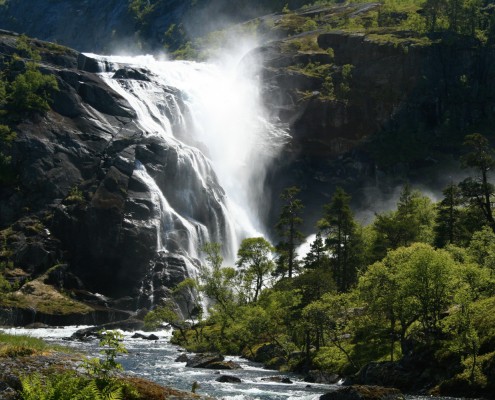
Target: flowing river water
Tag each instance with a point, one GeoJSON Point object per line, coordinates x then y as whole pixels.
{"type": "Point", "coordinates": [155, 360]}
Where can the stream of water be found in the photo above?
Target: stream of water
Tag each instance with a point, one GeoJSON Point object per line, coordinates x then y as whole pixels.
{"type": "Point", "coordinates": [155, 360]}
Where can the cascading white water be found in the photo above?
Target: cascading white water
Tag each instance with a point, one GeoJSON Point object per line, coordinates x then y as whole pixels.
{"type": "Point", "coordinates": [214, 119]}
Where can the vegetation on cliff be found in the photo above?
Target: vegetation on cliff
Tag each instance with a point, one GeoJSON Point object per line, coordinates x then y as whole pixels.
{"type": "Point", "coordinates": [413, 288]}
{"type": "Point", "coordinates": [24, 91]}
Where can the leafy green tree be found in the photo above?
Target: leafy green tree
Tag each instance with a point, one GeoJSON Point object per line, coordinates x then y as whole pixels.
{"type": "Point", "coordinates": [412, 221]}
{"type": "Point", "coordinates": [481, 248]}
{"type": "Point", "coordinates": [218, 282]}
{"type": "Point", "coordinates": [342, 239]}
{"type": "Point", "coordinates": [429, 278]}
{"type": "Point", "coordinates": [410, 284]}
{"type": "Point", "coordinates": [331, 320]}
{"type": "Point", "coordinates": [479, 191]}
{"type": "Point", "coordinates": [288, 228]}
{"type": "Point", "coordinates": [383, 290]}
{"type": "Point", "coordinates": [255, 263]}
{"type": "Point", "coordinates": [460, 326]}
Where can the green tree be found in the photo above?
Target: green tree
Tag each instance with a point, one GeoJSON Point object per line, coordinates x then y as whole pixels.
{"type": "Point", "coordinates": [478, 191]}
{"type": "Point", "coordinates": [31, 91]}
{"type": "Point", "coordinates": [317, 258]}
{"type": "Point", "coordinates": [330, 319]}
{"type": "Point", "coordinates": [342, 239]}
{"type": "Point", "coordinates": [218, 282]}
{"type": "Point", "coordinates": [481, 248]}
{"type": "Point", "coordinates": [412, 221]}
{"type": "Point", "coordinates": [429, 278]}
{"type": "Point", "coordinates": [255, 263]}
{"type": "Point", "coordinates": [410, 284]}
{"type": "Point", "coordinates": [383, 290]}
{"type": "Point", "coordinates": [288, 228]}
{"type": "Point", "coordinates": [27, 90]}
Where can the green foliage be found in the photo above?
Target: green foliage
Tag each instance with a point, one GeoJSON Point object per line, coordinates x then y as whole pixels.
{"type": "Point", "coordinates": [28, 91]}
{"type": "Point", "coordinates": [438, 298]}
{"type": "Point", "coordinates": [481, 248]}
{"type": "Point", "coordinates": [31, 90]}
{"type": "Point", "coordinates": [255, 263]}
{"type": "Point", "coordinates": [67, 386]}
{"type": "Point", "coordinates": [111, 342]}
{"type": "Point", "coordinates": [141, 9]}
{"type": "Point", "coordinates": [412, 221]}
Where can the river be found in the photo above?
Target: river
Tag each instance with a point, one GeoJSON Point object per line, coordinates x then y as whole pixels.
{"type": "Point", "coordinates": [155, 360]}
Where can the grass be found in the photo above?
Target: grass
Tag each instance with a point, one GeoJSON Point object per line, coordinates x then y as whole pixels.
{"type": "Point", "coordinates": [22, 345]}
{"type": "Point", "coordinates": [44, 299]}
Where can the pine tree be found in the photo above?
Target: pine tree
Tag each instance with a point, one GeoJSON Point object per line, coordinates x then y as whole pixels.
{"type": "Point", "coordinates": [342, 239]}
{"type": "Point", "coordinates": [288, 229]}
{"type": "Point", "coordinates": [448, 228]}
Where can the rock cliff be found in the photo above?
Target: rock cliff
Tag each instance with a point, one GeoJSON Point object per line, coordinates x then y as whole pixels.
{"type": "Point", "coordinates": [79, 199]}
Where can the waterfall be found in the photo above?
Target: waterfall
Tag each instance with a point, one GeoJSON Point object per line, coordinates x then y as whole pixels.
{"type": "Point", "coordinates": [211, 119]}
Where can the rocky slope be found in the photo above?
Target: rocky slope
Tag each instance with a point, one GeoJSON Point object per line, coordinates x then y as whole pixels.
{"type": "Point", "coordinates": [78, 209]}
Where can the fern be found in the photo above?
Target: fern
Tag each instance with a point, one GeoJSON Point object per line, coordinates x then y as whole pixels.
{"type": "Point", "coordinates": [112, 392]}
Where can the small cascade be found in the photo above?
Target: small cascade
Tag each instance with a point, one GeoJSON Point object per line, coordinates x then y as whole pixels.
{"type": "Point", "coordinates": [174, 233]}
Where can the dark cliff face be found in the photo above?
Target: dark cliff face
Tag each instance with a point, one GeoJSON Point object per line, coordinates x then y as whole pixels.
{"type": "Point", "coordinates": [77, 198]}
{"type": "Point", "coordinates": [405, 110]}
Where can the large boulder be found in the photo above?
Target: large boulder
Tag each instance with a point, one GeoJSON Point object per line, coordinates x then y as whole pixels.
{"type": "Point", "coordinates": [204, 360]}
{"type": "Point", "coordinates": [228, 379]}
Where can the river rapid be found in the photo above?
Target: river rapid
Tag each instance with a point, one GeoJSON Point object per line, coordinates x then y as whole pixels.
{"type": "Point", "coordinates": [155, 360]}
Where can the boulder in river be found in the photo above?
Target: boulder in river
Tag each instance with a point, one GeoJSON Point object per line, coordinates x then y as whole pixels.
{"type": "Point", "coordinates": [138, 335]}
{"type": "Point", "coordinates": [316, 376]}
{"type": "Point", "coordinates": [223, 365]}
{"type": "Point", "coordinates": [182, 358]}
{"type": "Point", "coordinates": [278, 379]}
{"type": "Point", "coordinates": [203, 360]}
{"type": "Point", "coordinates": [228, 379]}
